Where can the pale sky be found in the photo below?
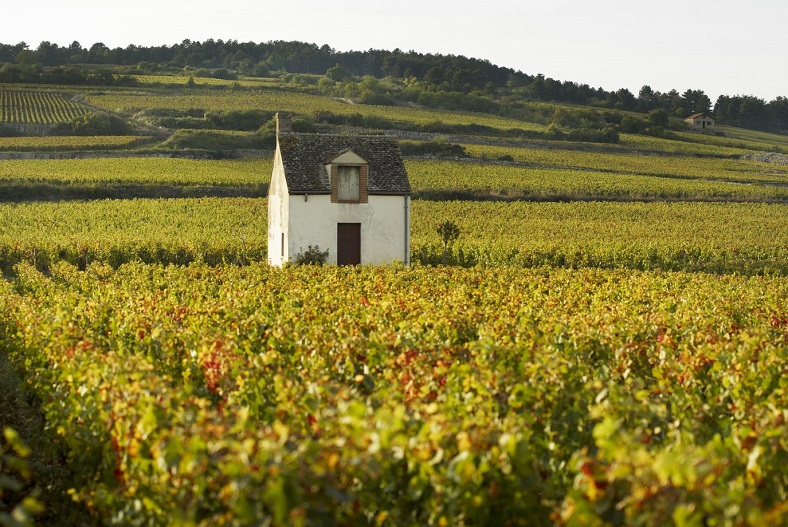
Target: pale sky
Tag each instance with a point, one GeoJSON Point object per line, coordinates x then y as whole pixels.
{"type": "Point", "coordinates": [723, 47]}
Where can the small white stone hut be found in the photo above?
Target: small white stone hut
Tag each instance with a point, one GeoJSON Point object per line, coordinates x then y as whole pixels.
{"type": "Point", "coordinates": [700, 121]}
{"type": "Point", "coordinates": [347, 194]}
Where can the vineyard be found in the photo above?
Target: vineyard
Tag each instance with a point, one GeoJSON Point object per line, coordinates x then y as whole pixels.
{"type": "Point", "coordinates": [742, 139]}
{"type": "Point", "coordinates": [300, 103]}
{"type": "Point", "coordinates": [460, 178]}
{"type": "Point", "coordinates": [715, 237]}
{"type": "Point", "coordinates": [138, 170]}
{"type": "Point", "coordinates": [734, 142]}
{"type": "Point", "coordinates": [391, 396]}
{"type": "Point", "coordinates": [69, 143]}
{"type": "Point", "coordinates": [204, 81]}
{"type": "Point", "coordinates": [726, 167]}
{"type": "Point", "coordinates": [37, 107]}
{"type": "Point", "coordinates": [606, 343]}
{"type": "Point", "coordinates": [131, 177]}
{"type": "Point", "coordinates": [536, 174]}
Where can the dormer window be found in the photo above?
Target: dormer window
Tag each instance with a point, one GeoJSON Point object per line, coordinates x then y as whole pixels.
{"type": "Point", "coordinates": [349, 178]}
{"type": "Point", "coordinates": [348, 183]}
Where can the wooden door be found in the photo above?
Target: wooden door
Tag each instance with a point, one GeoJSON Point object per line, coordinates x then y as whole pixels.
{"type": "Point", "coordinates": [348, 243]}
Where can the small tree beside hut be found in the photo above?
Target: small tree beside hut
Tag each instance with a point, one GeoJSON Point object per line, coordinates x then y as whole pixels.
{"type": "Point", "coordinates": [448, 232]}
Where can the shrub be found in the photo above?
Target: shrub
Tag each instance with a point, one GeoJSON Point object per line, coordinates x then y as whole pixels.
{"type": "Point", "coordinates": [632, 125]}
{"type": "Point", "coordinates": [312, 256]}
{"type": "Point", "coordinates": [244, 120]}
{"type": "Point", "coordinates": [94, 124]}
{"type": "Point", "coordinates": [213, 140]}
{"type": "Point", "coordinates": [8, 131]}
{"type": "Point", "coordinates": [438, 148]}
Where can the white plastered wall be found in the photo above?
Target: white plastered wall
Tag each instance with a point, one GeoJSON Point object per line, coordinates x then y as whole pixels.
{"type": "Point", "coordinates": [384, 231]}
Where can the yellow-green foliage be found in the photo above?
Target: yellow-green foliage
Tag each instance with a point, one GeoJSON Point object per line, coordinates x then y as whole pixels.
{"type": "Point", "coordinates": [37, 107]}
{"type": "Point", "coordinates": [213, 140]}
{"type": "Point", "coordinates": [14, 472]}
{"type": "Point", "coordinates": [396, 396]}
{"type": "Point", "coordinates": [633, 163]}
{"type": "Point", "coordinates": [672, 146]}
{"type": "Point", "coordinates": [739, 138]}
{"type": "Point", "coordinates": [206, 81]}
{"type": "Point", "coordinates": [432, 178]}
{"type": "Point", "coordinates": [66, 143]}
{"type": "Point", "coordinates": [713, 237]}
{"type": "Point", "coordinates": [721, 237]}
{"type": "Point", "coordinates": [138, 170]}
{"type": "Point", "coordinates": [523, 224]}
{"type": "Point", "coordinates": [276, 100]}
{"type": "Point", "coordinates": [173, 231]}
{"type": "Point", "coordinates": [541, 174]}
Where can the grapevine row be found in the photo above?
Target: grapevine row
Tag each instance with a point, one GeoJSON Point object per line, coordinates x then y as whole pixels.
{"type": "Point", "coordinates": [571, 176]}
{"type": "Point", "coordinates": [65, 143]}
{"type": "Point", "coordinates": [720, 238]}
{"type": "Point", "coordinates": [391, 396]}
{"type": "Point", "coordinates": [688, 167]}
{"type": "Point", "coordinates": [136, 170]}
{"type": "Point", "coordinates": [442, 178]}
{"type": "Point", "coordinates": [37, 107]}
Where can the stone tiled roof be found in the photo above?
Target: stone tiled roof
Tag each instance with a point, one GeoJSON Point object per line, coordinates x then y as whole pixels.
{"type": "Point", "coordinates": [305, 156]}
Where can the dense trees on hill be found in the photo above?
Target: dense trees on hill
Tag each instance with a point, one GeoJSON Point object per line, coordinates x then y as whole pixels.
{"type": "Point", "coordinates": [35, 74]}
{"type": "Point", "coordinates": [751, 112]}
{"type": "Point", "coordinates": [450, 81]}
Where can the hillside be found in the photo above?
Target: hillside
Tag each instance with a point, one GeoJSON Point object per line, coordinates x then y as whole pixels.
{"type": "Point", "coordinates": [551, 153]}
{"type": "Point", "coordinates": [603, 343]}
{"type": "Point", "coordinates": [194, 138]}
{"type": "Point", "coordinates": [439, 81]}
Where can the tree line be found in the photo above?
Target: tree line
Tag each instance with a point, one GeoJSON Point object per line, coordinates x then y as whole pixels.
{"type": "Point", "coordinates": [454, 80]}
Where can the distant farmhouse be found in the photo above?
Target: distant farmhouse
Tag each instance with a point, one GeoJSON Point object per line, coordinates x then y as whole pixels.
{"type": "Point", "coordinates": [346, 194]}
{"type": "Point", "coordinates": [700, 121]}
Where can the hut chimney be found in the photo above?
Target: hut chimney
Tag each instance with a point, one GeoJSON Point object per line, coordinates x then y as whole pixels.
{"type": "Point", "coordinates": [284, 123]}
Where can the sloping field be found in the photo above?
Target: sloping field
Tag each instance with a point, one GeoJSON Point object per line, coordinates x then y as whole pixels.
{"type": "Point", "coordinates": [280, 100]}
{"type": "Point", "coordinates": [37, 107]}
